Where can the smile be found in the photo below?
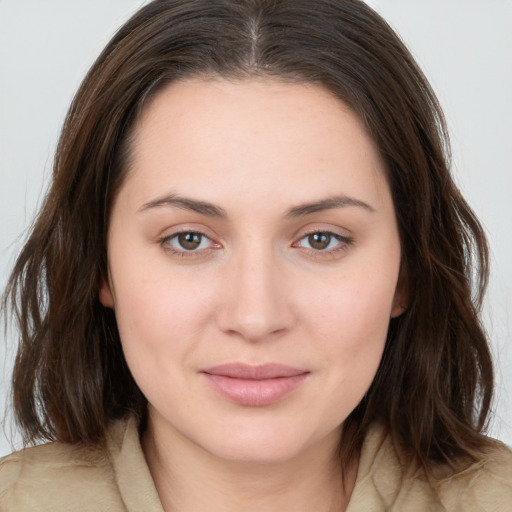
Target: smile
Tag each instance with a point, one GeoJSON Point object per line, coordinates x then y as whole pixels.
{"type": "Point", "coordinates": [254, 385]}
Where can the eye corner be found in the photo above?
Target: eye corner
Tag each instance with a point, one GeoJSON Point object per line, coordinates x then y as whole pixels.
{"type": "Point", "coordinates": [188, 243]}
{"type": "Point", "coordinates": [323, 243]}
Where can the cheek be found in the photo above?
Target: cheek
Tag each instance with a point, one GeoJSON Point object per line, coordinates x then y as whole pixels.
{"type": "Point", "coordinates": [350, 318]}
{"type": "Point", "coordinates": [160, 323]}
{"type": "Point", "coordinates": [354, 309]}
{"type": "Point", "coordinates": [351, 325]}
{"type": "Point", "coordinates": [159, 314]}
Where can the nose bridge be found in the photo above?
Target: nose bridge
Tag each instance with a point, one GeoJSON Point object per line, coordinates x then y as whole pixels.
{"type": "Point", "coordinates": [256, 304]}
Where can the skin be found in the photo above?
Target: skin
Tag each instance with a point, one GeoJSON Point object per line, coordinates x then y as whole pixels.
{"type": "Point", "coordinates": [255, 290]}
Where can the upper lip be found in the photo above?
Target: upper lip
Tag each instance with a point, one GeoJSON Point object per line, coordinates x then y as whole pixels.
{"type": "Point", "coordinates": [254, 372]}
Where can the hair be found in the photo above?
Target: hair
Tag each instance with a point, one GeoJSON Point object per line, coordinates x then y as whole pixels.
{"type": "Point", "coordinates": [433, 388]}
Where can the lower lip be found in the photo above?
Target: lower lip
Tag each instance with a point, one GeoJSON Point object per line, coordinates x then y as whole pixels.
{"type": "Point", "coordinates": [255, 393]}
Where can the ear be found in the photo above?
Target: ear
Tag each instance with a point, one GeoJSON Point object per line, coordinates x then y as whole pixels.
{"type": "Point", "coordinates": [401, 297]}
{"type": "Point", "coordinates": [106, 296]}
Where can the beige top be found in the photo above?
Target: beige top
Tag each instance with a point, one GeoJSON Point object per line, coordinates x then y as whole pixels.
{"type": "Point", "coordinates": [58, 477]}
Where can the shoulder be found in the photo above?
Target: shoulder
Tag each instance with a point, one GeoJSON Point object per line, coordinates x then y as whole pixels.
{"type": "Point", "coordinates": [386, 482]}
{"type": "Point", "coordinates": [484, 485]}
{"type": "Point", "coordinates": [57, 475]}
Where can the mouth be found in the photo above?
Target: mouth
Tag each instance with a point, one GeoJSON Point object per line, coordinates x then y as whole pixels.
{"type": "Point", "coordinates": [254, 386]}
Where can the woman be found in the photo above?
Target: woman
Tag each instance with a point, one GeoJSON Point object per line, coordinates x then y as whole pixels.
{"type": "Point", "coordinates": [250, 283]}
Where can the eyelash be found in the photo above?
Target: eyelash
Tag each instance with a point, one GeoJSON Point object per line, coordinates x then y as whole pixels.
{"type": "Point", "coordinates": [184, 253]}
{"type": "Point", "coordinates": [344, 243]}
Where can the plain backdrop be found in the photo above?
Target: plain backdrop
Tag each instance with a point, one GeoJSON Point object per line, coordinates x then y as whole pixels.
{"type": "Point", "coordinates": [464, 47]}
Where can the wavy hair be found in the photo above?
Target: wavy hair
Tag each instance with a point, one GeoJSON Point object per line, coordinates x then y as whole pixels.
{"type": "Point", "coordinates": [433, 388]}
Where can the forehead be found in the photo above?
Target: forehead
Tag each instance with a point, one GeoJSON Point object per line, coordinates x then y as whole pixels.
{"type": "Point", "coordinates": [252, 106]}
{"type": "Point", "coordinates": [248, 135]}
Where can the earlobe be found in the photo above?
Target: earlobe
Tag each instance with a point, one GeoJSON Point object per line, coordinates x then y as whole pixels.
{"type": "Point", "coordinates": [398, 309]}
{"type": "Point", "coordinates": [106, 297]}
{"type": "Point", "coordinates": [401, 298]}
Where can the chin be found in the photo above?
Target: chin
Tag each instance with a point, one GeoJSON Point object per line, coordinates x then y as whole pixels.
{"type": "Point", "coordinates": [276, 451]}
{"type": "Point", "coordinates": [267, 444]}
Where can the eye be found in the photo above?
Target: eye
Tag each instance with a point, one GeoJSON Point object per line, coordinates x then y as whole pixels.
{"type": "Point", "coordinates": [187, 241]}
{"type": "Point", "coordinates": [323, 241]}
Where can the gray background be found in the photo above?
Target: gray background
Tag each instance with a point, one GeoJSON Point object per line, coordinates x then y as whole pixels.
{"type": "Point", "coordinates": [464, 46]}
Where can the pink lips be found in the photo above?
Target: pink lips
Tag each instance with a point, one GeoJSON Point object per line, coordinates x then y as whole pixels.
{"type": "Point", "coordinates": [254, 385]}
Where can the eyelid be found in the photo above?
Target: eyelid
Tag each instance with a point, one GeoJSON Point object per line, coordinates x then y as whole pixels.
{"type": "Point", "coordinates": [312, 228]}
{"type": "Point", "coordinates": [334, 234]}
{"type": "Point", "coordinates": [185, 227]}
{"type": "Point", "coordinates": [165, 239]}
{"type": "Point", "coordinates": [345, 241]}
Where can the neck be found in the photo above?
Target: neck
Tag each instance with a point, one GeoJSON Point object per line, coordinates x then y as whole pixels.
{"type": "Point", "coordinates": [189, 479]}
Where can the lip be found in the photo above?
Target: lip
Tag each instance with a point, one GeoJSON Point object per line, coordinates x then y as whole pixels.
{"type": "Point", "coordinates": [254, 385]}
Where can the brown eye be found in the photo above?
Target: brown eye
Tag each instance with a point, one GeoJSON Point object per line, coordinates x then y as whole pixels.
{"type": "Point", "coordinates": [319, 241]}
{"type": "Point", "coordinates": [325, 243]}
{"type": "Point", "coordinates": [189, 241]}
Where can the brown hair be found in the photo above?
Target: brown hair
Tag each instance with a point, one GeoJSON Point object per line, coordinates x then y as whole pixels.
{"type": "Point", "coordinates": [434, 385]}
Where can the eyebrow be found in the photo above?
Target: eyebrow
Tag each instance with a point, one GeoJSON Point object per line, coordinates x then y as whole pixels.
{"type": "Point", "coordinates": [185, 203]}
{"type": "Point", "coordinates": [329, 203]}
{"type": "Point", "coordinates": [211, 210]}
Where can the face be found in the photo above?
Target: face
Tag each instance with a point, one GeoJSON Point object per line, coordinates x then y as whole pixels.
{"type": "Point", "coordinates": [254, 259]}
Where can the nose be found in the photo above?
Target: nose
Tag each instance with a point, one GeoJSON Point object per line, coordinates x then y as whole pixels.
{"type": "Point", "coordinates": [256, 301]}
